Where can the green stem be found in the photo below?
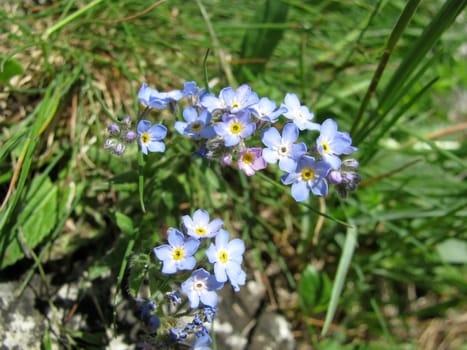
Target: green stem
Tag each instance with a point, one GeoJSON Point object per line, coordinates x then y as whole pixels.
{"type": "Point", "coordinates": [70, 18]}
{"type": "Point", "coordinates": [141, 180]}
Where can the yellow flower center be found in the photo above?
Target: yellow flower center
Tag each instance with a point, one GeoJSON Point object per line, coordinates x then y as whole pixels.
{"type": "Point", "coordinates": [325, 146]}
{"type": "Point", "coordinates": [247, 158]}
{"type": "Point", "coordinates": [200, 231]}
{"type": "Point", "coordinates": [223, 256]}
{"type": "Point", "coordinates": [145, 138]}
{"type": "Point", "coordinates": [308, 174]}
{"type": "Point", "coordinates": [178, 254]}
{"type": "Point", "coordinates": [196, 127]}
{"type": "Point", "coordinates": [235, 105]}
{"type": "Point", "coordinates": [236, 128]}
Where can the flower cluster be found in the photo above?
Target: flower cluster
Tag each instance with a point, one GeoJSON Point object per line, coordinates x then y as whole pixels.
{"type": "Point", "coordinates": [182, 259]}
{"type": "Point", "coordinates": [120, 135]}
{"type": "Point", "coordinates": [224, 127]}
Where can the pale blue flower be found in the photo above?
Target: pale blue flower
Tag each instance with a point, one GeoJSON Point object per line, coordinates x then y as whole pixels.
{"type": "Point", "coordinates": [150, 136]}
{"type": "Point", "coordinates": [283, 148]}
{"type": "Point", "coordinates": [227, 257]}
{"type": "Point", "coordinates": [202, 343]}
{"type": "Point", "coordinates": [234, 128]}
{"type": "Point", "coordinates": [331, 143]}
{"type": "Point", "coordinates": [201, 287]}
{"type": "Point", "coordinates": [230, 100]}
{"type": "Point", "coordinates": [299, 114]}
{"type": "Point", "coordinates": [152, 98]}
{"type": "Point", "coordinates": [193, 92]}
{"type": "Point", "coordinates": [199, 225]}
{"type": "Point", "coordinates": [190, 88]}
{"type": "Point", "coordinates": [178, 254]}
{"type": "Point", "coordinates": [195, 126]}
{"type": "Point", "coordinates": [266, 110]}
{"type": "Point", "coordinates": [310, 175]}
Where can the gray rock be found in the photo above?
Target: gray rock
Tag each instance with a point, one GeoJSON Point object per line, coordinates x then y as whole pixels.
{"type": "Point", "coordinates": [244, 324]}
{"type": "Point", "coordinates": [21, 325]}
{"type": "Point", "coordinates": [272, 333]}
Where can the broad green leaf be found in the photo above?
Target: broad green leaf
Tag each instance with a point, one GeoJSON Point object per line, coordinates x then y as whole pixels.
{"type": "Point", "coordinates": [11, 68]}
{"type": "Point", "coordinates": [313, 290]}
{"type": "Point", "coordinates": [125, 223]}
{"type": "Point", "coordinates": [36, 221]}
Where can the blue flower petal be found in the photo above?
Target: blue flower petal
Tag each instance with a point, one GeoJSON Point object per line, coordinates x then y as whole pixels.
{"type": "Point", "coordinates": [290, 133]}
{"type": "Point", "coordinates": [300, 191]}
{"type": "Point", "coordinates": [209, 298]}
{"type": "Point", "coordinates": [219, 272]}
{"type": "Point", "coordinates": [157, 131]}
{"type": "Point", "coordinates": [163, 252]}
{"type": "Point", "coordinates": [271, 137]}
{"type": "Point", "coordinates": [156, 146]}
{"type": "Point", "coordinates": [236, 247]}
{"type": "Point", "coordinates": [191, 246]}
{"type": "Point", "coordinates": [175, 237]}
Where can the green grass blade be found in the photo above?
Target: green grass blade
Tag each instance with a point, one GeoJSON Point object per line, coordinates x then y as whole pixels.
{"type": "Point", "coordinates": [444, 18]}
{"type": "Point", "coordinates": [70, 18]}
{"type": "Point", "coordinates": [369, 154]}
{"type": "Point", "coordinates": [258, 45]}
{"type": "Point", "coordinates": [377, 118]}
{"type": "Point", "coordinates": [394, 37]}
{"type": "Point", "coordinates": [344, 264]}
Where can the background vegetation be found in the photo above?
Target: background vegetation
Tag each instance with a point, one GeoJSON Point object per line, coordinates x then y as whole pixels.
{"type": "Point", "coordinates": [391, 72]}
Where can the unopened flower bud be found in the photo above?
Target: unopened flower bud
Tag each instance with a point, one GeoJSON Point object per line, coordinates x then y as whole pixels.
{"type": "Point", "coordinates": [350, 163]}
{"type": "Point", "coordinates": [130, 136]}
{"type": "Point", "coordinates": [127, 121]}
{"type": "Point", "coordinates": [114, 129]}
{"type": "Point", "coordinates": [335, 177]}
{"type": "Point", "coordinates": [351, 177]}
{"type": "Point", "coordinates": [226, 159]}
{"type": "Point", "coordinates": [119, 149]}
{"type": "Point", "coordinates": [153, 323]}
{"type": "Point", "coordinates": [110, 144]}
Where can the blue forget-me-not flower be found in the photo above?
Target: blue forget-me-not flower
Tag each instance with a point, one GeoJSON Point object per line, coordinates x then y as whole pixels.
{"type": "Point", "coordinates": [150, 136]}
{"type": "Point", "coordinates": [195, 126]}
{"type": "Point", "coordinates": [199, 225]}
{"type": "Point", "coordinates": [152, 98]}
{"type": "Point", "coordinates": [235, 127]}
{"type": "Point", "coordinates": [331, 143]}
{"type": "Point", "coordinates": [227, 258]}
{"type": "Point", "coordinates": [309, 175]}
{"type": "Point", "coordinates": [178, 254]}
{"type": "Point", "coordinates": [230, 100]}
{"type": "Point", "coordinates": [266, 110]}
{"type": "Point", "coordinates": [283, 148]}
{"type": "Point", "coordinates": [300, 115]}
{"type": "Point", "coordinates": [201, 287]}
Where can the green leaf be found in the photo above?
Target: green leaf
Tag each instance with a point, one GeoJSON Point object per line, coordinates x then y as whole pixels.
{"type": "Point", "coordinates": [313, 290]}
{"type": "Point", "coordinates": [35, 222]}
{"type": "Point", "coordinates": [125, 223]}
{"type": "Point", "coordinates": [10, 68]}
